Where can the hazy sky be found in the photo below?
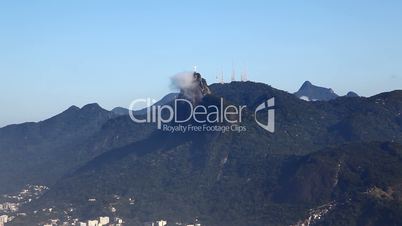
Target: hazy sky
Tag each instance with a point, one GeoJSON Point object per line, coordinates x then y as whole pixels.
{"type": "Point", "coordinates": [54, 54]}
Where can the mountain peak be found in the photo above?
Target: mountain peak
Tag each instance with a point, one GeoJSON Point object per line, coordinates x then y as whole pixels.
{"type": "Point", "coordinates": [73, 108]}
{"type": "Point", "coordinates": [92, 106]}
{"type": "Point", "coordinates": [307, 84]}
{"type": "Point", "coordinates": [352, 94]}
{"type": "Point", "coordinates": [308, 91]}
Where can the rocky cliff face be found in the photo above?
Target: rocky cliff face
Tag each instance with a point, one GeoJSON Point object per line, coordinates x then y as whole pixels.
{"type": "Point", "coordinates": [197, 90]}
{"type": "Point", "coordinates": [202, 84]}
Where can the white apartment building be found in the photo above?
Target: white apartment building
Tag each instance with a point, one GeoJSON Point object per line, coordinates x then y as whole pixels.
{"type": "Point", "coordinates": [104, 220]}
{"type": "Point", "coordinates": [93, 223]}
{"type": "Point", "coordinates": [3, 219]}
{"type": "Point", "coordinates": [161, 223]}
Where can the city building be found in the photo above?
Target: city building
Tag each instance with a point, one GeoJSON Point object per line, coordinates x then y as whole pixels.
{"type": "Point", "coordinates": [161, 223]}
{"type": "Point", "coordinates": [93, 223]}
{"type": "Point", "coordinates": [3, 219]}
{"type": "Point", "coordinates": [104, 220]}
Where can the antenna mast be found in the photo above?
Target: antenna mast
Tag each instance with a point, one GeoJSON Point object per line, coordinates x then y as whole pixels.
{"type": "Point", "coordinates": [222, 81]}
{"type": "Point", "coordinates": [233, 78]}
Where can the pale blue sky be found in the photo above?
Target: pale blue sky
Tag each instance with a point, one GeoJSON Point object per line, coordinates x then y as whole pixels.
{"type": "Point", "coordinates": [54, 54]}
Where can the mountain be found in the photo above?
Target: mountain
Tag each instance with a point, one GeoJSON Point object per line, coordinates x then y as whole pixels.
{"type": "Point", "coordinates": [40, 153]}
{"type": "Point", "coordinates": [352, 94]}
{"type": "Point", "coordinates": [353, 184]}
{"type": "Point", "coordinates": [29, 150]}
{"type": "Point", "coordinates": [64, 142]}
{"type": "Point", "coordinates": [344, 153]}
{"type": "Point", "coordinates": [311, 92]}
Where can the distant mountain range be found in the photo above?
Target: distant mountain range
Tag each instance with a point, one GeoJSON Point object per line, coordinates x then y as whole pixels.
{"type": "Point", "coordinates": [340, 159]}
{"type": "Point", "coordinates": [310, 92]}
